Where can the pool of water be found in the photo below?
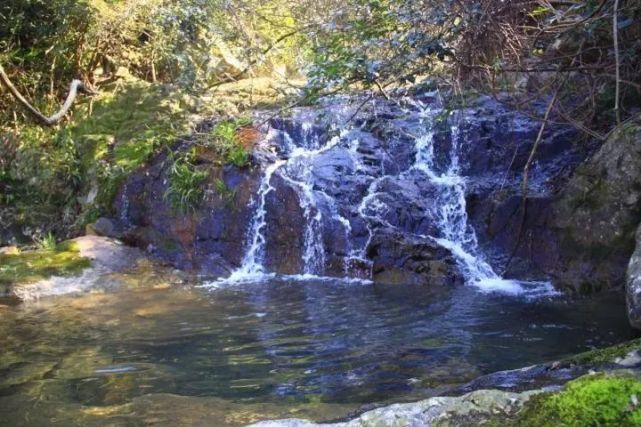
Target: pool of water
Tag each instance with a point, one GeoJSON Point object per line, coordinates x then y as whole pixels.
{"type": "Point", "coordinates": [155, 354]}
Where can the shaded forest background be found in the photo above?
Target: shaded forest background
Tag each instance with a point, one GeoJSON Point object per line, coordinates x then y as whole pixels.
{"type": "Point", "coordinates": [157, 67]}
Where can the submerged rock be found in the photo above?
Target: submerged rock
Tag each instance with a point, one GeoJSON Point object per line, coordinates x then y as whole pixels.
{"type": "Point", "coordinates": [593, 388]}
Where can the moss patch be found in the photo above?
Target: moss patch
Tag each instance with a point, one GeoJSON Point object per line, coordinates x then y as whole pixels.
{"type": "Point", "coordinates": [605, 355]}
{"type": "Point", "coordinates": [32, 266]}
{"type": "Point", "coordinates": [593, 400]}
{"type": "Point", "coordinates": [126, 127]}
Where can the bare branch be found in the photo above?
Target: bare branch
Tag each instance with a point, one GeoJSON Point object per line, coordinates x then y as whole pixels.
{"type": "Point", "coordinates": [76, 85]}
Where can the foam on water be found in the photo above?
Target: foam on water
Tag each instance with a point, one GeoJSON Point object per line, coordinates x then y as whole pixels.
{"type": "Point", "coordinates": [238, 279]}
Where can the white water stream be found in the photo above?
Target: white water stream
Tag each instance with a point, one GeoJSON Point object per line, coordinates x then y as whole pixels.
{"type": "Point", "coordinates": [454, 231]}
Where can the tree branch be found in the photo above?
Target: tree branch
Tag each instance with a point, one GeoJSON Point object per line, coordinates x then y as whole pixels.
{"type": "Point", "coordinates": [76, 85]}
{"type": "Point", "coordinates": [615, 37]}
{"type": "Point", "coordinates": [524, 183]}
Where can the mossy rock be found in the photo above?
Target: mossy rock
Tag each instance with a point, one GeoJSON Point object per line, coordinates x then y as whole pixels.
{"type": "Point", "coordinates": [33, 266]}
{"type": "Point", "coordinates": [605, 355]}
{"type": "Point", "coordinates": [592, 400]}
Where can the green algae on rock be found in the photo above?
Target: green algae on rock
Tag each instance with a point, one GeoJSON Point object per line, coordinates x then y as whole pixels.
{"type": "Point", "coordinates": [32, 266]}
{"type": "Point", "coordinates": [606, 355]}
{"type": "Point", "coordinates": [610, 399]}
{"type": "Point", "coordinates": [603, 399]}
{"type": "Point", "coordinates": [597, 214]}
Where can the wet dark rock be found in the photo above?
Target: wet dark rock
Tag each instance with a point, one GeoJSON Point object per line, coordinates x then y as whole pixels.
{"type": "Point", "coordinates": [597, 213]}
{"type": "Point", "coordinates": [564, 234]}
{"type": "Point", "coordinates": [209, 239]}
{"type": "Point", "coordinates": [285, 229]}
{"type": "Point", "coordinates": [398, 258]}
{"type": "Point", "coordinates": [102, 227]}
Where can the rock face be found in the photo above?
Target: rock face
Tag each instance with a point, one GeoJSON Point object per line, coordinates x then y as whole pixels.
{"type": "Point", "coordinates": [597, 213]}
{"type": "Point", "coordinates": [471, 409]}
{"type": "Point", "coordinates": [369, 200]}
{"type": "Point", "coordinates": [497, 145]}
{"type": "Point", "coordinates": [372, 199]}
{"type": "Point", "coordinates": [633, 285]}
{"type": "Point", "coordinates": [209, 239]}
{"type": "Point", "coordinates": [581, 216]}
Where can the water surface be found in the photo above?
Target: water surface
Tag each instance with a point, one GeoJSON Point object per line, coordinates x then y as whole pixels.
{"type": "Point", "coordinates": [183, 355]}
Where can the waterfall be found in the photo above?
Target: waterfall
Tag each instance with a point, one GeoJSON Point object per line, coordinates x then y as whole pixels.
{"type": "Point", "coordinates": [252, 268]}
{"type": "Point", "coordinates": [373, 203]}
{"type": "Point", "coordinates": [456, 234]}
{"type": "Point", "coordinates": [296, 171]}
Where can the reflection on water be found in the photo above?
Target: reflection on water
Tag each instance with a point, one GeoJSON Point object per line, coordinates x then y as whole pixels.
{"type": "Point", "coordinates": [180, 355]}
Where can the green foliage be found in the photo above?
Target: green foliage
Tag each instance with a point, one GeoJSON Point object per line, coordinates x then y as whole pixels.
{"type": "Point", "coordinates": [125, 130]}
{"type": "Point", "coordinates": [185, 191]}
{"type": "Point", "coordinates": [593, 400]}
{"type": "Point", "coordinates": [31, 266]}
{"type": "Point", "coordinates": [46, 242]}
{"type": "Point", "coordinates": [238, 156]}
{"type": "Point", "coordinates": [70, 176]}
{"type": "Point", "coordinates": [381, 41]}
{"type": "Point", "coordinates": [223, 139]}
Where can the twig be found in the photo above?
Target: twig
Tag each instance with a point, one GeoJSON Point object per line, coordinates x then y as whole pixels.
{"type": "Point", "coordinates": [360, 107]}
{"type": "Point", "coordinates": [526, 170]}
{"type": "Point", "coordinates": [615, 37]}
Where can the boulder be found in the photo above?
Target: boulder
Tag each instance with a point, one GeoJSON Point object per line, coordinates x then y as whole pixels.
{"type": "Point", "coordinates": [398, 258]}
{"type": "Point", "coordinates": [597, 213]}
{"type": "Point", "coordinates": [102, 227]}
{"type": "Point", "coordinates": [633, 285]}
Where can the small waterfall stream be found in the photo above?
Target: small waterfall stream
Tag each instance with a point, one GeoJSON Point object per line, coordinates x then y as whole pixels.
{"type": "Point", "coordinates": [296, 168]}
{"type": "Point", "coordinates": [456, 234]}
{"type": "Point", "coordinates": [252, 268]}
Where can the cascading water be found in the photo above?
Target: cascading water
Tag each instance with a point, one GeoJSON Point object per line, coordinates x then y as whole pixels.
{"type": "Point", "coordinates": [296, 171]}
{"type": "Point", "coordinates": [456, 234]}
{"type": "Point", "coordinates": [252, 265]}
{"type": "Point", "coordinates": [321, 205]}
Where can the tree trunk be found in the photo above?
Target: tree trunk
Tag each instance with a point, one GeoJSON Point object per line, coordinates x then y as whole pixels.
{"type": "Point", "coordinates": [76, 85]}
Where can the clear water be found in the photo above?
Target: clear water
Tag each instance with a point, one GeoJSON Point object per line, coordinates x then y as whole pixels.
{"type": "Point", "coordinates": [136, 351]}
